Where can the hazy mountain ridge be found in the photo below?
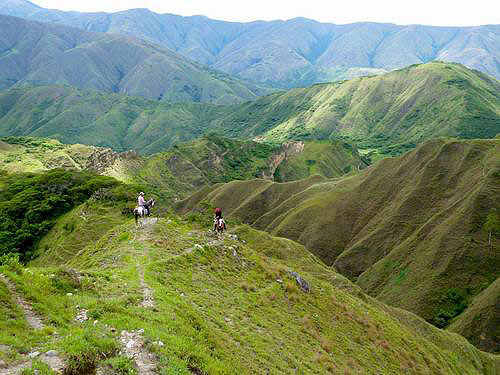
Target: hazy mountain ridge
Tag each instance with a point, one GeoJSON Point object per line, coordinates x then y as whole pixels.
{"type": "Point", "coordinates": [289, 53]}
{"type": "Point", "coordinates": [40, 53]}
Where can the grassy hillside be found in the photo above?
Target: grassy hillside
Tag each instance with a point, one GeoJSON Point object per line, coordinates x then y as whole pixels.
{"type": "Point", "coordinates": [390, 113]}
{"type": "Point", "coordinates": [188, 166]}
{"type": "Point", "coordinates": [325, 158]}
{"type": "Point", "coordinates": [35, 53]}
{"type": "Point", "coordinates": [31, 203]}
{"type": "Point", "coordinates": [107, 120]}
{"type": "Point", "coordinates": [28, 154]}
{"type": "Point", "coordinates": [386, 115]}
{"type": "Point", "coordinates": [216, 306]}
{"type": "Point", "coordinates": [410, 230]}
{"type": "Point", "coordinates": [480, 323]}
{"type": "Point", "coordinates": [290, 53]}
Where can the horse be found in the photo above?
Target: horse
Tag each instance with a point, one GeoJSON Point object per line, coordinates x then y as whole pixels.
{"type": "Point", "coordinates": [143, 211]}
{"type": "Point", "coordinates": [220, 225]}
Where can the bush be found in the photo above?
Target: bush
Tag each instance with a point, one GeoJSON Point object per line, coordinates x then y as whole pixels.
{"type": "Point", "coordinates": [453, 303]}
{"type": "Point", "coordinates": [31, 203]}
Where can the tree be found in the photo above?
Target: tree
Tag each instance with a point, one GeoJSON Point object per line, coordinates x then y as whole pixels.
{"type": "Point", "coordinates": [492, 225]}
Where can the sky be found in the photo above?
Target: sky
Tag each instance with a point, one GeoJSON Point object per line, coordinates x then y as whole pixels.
{"type": "Point", "coordinates": [403, 12]}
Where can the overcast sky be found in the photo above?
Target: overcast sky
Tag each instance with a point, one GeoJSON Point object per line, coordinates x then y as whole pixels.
{"type": "Point", "coordinates": [428, 12]}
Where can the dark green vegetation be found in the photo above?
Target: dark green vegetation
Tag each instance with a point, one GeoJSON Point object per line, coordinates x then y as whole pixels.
{"type": "Point", "coordinates": [221, 306]}
{"type": "Point", "coordinates": [31, 203]}
{"type": "Point", "coordinates": [42, 54]}
{"type": "Point", "coordinates": [289, 53]}
{"type": "Point", "coordinates": [483, 315]}
{"type": "Point", "coordinates": [409, 230]}
{"type": "Point", "coordinates": [385, 115]}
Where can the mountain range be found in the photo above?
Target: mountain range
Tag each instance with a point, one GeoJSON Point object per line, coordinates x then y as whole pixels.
{"type": "Point", "coordinates": [384, 115]}
{"type": "Point", "coordinates": [34, 53]}
{"type": "Point", "coordinates": [363, 214]}
{"type": "Point", "coordinates": [289, 53]}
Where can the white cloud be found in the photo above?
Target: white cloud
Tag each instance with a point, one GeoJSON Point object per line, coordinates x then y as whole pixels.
{"type": "Point", "coordinates": [429, 12]}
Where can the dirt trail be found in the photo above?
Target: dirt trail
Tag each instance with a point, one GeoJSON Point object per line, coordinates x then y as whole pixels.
{"type": "Point", "coordinates": [146, 228]}
{"type": "Point", "coordinates": [51, 358]}
{"type": "Point", "coordinates": [31, 317]}
{"type": "Point", "coordinates": [53, 361]}
{"type": "Point", "coordinates": [134, 348]}
{"type": "Point", "coordinates": [147, 293]}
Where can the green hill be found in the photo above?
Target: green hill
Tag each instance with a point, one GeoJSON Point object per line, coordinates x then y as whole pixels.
{"type": "Point", "coordinates": [170, 297]}
{"type": "Point", "coordinates": [391, 113]}
{"type": "Point", "coordinates": [409, 230]}
{"type": "Point", "coordinates": [481, 321]}
{"type": "Point", "coordinates": [35, 53]}
{"type": "Point", "coordinates": [96, 118]}
{"type": "Point", "coordinates": [188, 166]}
{"type": "Point", "coordinates": [384, 115]}
{"type": "Point", "coordinates": [289, 53]}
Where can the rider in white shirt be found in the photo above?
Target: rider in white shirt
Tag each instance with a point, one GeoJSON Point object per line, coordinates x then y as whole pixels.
{"type": "Point", "coordinates": [141, 202]}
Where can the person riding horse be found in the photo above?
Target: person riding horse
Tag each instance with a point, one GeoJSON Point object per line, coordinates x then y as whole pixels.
{"type": "Point", "coordinates": [219, 222]}
{"type": "Point", "coordinates": [143, 207]}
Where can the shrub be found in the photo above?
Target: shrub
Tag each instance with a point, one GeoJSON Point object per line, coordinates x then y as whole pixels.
{"type": "Point", "coordinates": [31, 203]}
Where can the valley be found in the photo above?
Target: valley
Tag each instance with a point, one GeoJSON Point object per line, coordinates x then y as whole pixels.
{"type": "Point", "coordinates": [356, 166]}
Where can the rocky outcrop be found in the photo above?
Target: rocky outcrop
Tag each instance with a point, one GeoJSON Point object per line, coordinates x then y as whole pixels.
{"type": "Point", "coordinates": [287, 149]}
{"type": "Point", "coordinates": [103, 158]}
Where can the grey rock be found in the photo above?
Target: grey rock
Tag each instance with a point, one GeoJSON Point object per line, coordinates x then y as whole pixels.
{"type": "Point", "coordinates": [304, 285]}
{"type": "Point", "coordinates": [51, 353]}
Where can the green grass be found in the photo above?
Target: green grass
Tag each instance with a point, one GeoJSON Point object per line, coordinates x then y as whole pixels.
{"type": "Point", "coordinates": [407, 229]}
{"type": "Point", "coordinates": [222, 309]}
{"type": "Point", "coordinates": [187, 166]}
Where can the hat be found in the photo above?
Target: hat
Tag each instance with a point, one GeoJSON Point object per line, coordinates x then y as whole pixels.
{"type": "Point", "coordinates": [141, 193]}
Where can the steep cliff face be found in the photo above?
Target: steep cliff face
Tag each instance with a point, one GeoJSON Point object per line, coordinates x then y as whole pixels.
{"type": "Point", "coordinates": [102, 159]}
{"type": "Point", "coordinates": [287, 150]}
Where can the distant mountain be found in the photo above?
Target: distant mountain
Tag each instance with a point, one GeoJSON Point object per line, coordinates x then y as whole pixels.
{"type": "Point", "coordinates": [384, 115]}
{"type": "Point", "coordinates": [289, 53]}
{"type": "Point", "coordinates": [101, 119]}
{"type": "Point", "coordinates": [41, 54]}
{"type": "Point", "coordinates": [392, 112]}
{"type": "Point", "coordinates": [409, 230]}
